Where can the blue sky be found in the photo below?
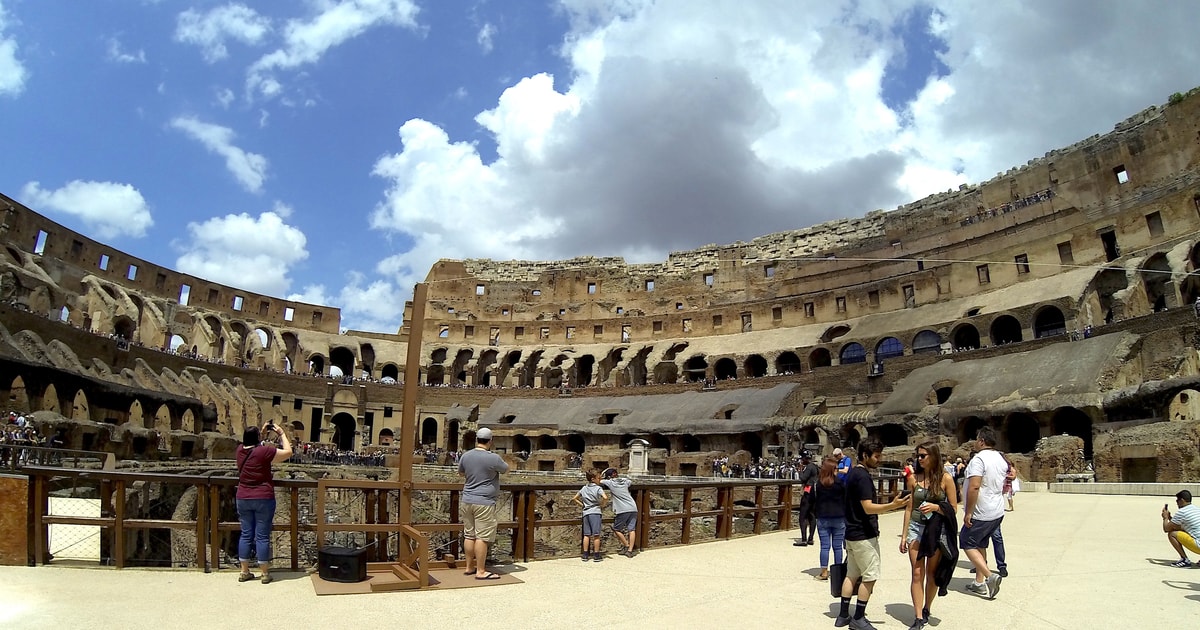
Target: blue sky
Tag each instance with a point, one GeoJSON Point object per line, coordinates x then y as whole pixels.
{"type": "Point", "coordinates": [330, 151]}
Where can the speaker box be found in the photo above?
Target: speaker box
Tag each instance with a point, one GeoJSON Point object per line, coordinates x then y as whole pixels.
{"type": "Point", "coordinates": [340, 564]}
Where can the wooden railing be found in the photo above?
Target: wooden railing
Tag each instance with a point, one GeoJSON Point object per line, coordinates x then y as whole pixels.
{"type": "Point", "coordinates": [14, 456]}
{"type": "Point", "coordinates": [670, 514]}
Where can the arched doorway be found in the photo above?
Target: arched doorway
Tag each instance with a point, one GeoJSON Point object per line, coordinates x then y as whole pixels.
{"type": "Point", "coordinates": [429, 431]}
{"type": "Point", "coordinates": [889, 347]}
{"type": "Point", "coordinates": [725, 368]}
{"type": "Point", "coordinates": [695, 368]}
{"type": "Point", "coordinates": [344, 426]}
{"type": "Point", "coordinates": [584, 369]}
{"type": "Point", "coordinates": [926, 341]}
{"type": "Point", "coordinates": [1021, 432]}
{"type": "Point", "coordinates": [756, 366]}
{"type": "Point", "coordinates": [452, 436]}
{"type": "Point", "coordinates": [852, 352]}
{"type": "Point", "coordinates": [690, 444]}
{"type": "Point", "coordinates": [751, 443]}
{"type": "Point", "coordinates": [968, 428]}
{"type": "Point", "coordinates": [1071, 421]}
{"type": "Point", "coordinates": [966, 337]}
{"type": "Point", "coordinates": [547, 443]}
{"type": "Point", "coordinates": [521, 444]}
{"type": "Point", "coordinates": [575, 443]}
{"type": "Point", "coordinates": [819, 357]}
{"type": "Point", "coordinates": [1156, 276]}
{"type": "Point", "coordinates": [787, 363]}
{"type": "Point", "coordinates": [892, 434]}
{"type": "Point", "coordinates": [658, 440]}
{"type": "Point", "coordinates": [1049, 322]}
{"type": "Point", "coordinates": [344, 359]}
{"type": "Point", "coordinates": [1005, 329]}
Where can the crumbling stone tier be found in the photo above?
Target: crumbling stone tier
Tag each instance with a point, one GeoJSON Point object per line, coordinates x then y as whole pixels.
{"type": "Point", "coordinates": [1056, 300]}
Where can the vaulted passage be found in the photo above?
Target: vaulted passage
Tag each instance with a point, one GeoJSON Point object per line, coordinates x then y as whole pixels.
{"type": "Point", "coordinates": [1049, 322]}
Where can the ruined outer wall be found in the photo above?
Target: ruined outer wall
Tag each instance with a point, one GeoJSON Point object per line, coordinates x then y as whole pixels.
{"type": "Point", "coordinates": [68, 256]}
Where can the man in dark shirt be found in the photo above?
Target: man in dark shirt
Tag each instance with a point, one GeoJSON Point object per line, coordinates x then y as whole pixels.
{"type": "Point", "coordinates": [862, 535]}
{"type": "Point", "coordinates": [808, 520]}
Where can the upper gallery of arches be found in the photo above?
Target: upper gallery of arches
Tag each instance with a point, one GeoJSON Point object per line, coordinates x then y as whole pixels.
{"type": "Point", "coordinates": [1044, 229]}
{"type": "Point", "coordinates": [75, 257]}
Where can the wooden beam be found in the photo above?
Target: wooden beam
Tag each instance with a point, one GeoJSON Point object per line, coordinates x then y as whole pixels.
{"type": "Point", "coordinates": [408, 416]}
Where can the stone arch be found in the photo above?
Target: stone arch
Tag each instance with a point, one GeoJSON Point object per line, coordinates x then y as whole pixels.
{"type": "Point", "coordinates": [18, 397]}
{"type": "Point", "coordinates": [291, 348]}
{"type": "Point", "coordinates": [137, 415]}
{"type": "Point", "coordinates": [80, 410]}
{"type": "Point", "coordinates": [891, 434]}
{"type": "Point", "coordinates": [452, 435]}
{"type": "Point", "coordinates": [927, 341]}
{"type": "Point", "coordinates": [658, 440]}
{"type": "Point", "coordinates": [689, 443]}
{"type": "Point", "coordinates": [888, 348]}
{"type": "Point", "coordinates": [788, 363]}
{"type": "Point", "coordinates": [576, 444]}
{"type": "Point", "coordinates": [1021, 433]}
{"type": "Point", "coordinates": [819, 357]}
{"type": "Point", "coordinates": [344, 427]}
{"type": "Point", "coordinates": [390, 371]}
{"type": "Point", "coordinates": [755, 366]}
{"type": "Point", "coordinates": [367, 352]}
{"type": "Point", "coordinates": [965, 337]}
{"type": "Point", "coordinates": [50, 401]}
{"type": "Point", "coordinates": [1005, 329]}
{"type": "Point", "coordinates": [546, 442]}
{"type": "Point", "coordinates": [483, 371]}
{"type": "Point", "coordinates": [1071, 421]}
{"type": "Point", "coordinates": [584, 370]}
{"type": "Point", "coordinates": [968, 427]}
{"type": "Point", "coordinates": [458, 369]}
{"type": "Point", "coordinates": [429, 431]}
{"type": "Point", "coordinates": [162, 420]}
{"type": "Point", "coordinates": [1107, 284]}
{"type": "Point", "coordinates": [386, 436]}
{"type": "Point", "coordinates": [666, 372]}
{"type": "Point", "coordinates": [696, 368]}
{"type": "Point", "coordinates": [725, 368]}
{"type": "Point", "coordinates": [1156, 278]}
{"type": "Point", "coordinates": [124, 327]}
{"type": "Point", "coordinates": [852, 352]}
{"type": "Point", "coordinates": [751, 442]}
{"type": "Point", "coordinates": [521, 443]}
{"type": "Point", "coordinates": [636, 372]}
{"type": "Point", "coordinates": [188, 421]}
{"type": "Point", "coordinates": [343, 358]}
{"type": "Point", "coordinates": [316, 363]}
{"type": "Point", "coordinates": [216, 341]}
{"type": "Point", "coordinates": [1048, 322]}
{"type": "Point", "coordinates": [852, 433]}
{"type": "Point", "coordinates": [176, 342]}
{"type": "Point", "coordinates": [241, 332]}
{"type": "Point", "coordinates": [833, 332]}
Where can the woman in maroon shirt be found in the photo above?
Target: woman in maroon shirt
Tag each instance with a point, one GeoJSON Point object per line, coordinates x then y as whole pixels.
{"type": "Point", "coordinates": [256, 497]}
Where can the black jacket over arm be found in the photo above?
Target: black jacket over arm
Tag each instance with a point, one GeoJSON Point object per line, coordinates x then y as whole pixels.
{"type": "Point", "coordinates": [939, 523]}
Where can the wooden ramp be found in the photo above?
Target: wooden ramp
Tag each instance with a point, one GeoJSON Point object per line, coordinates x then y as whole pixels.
{"type": "Point", "coordinates": [382, 577]}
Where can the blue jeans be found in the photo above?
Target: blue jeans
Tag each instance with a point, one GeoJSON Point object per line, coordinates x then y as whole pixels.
{"type": "Point", "coordinates": [833, 534]}
{"type": "Point", "coordinates": [256, 516]}
{"type": "Point", "coordinates": [998, 544]}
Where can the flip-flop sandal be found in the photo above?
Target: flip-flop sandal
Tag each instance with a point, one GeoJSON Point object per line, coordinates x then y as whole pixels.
{"type": "Point", "coordinates": [489, 576]}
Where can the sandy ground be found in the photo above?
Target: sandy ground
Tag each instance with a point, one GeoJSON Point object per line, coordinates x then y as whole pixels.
{"type": "Point", "coordinates": [1075, 561]}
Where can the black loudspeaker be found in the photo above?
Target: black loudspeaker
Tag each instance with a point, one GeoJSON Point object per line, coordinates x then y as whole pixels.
{"type": "Point", "coordinates": [339, 564]}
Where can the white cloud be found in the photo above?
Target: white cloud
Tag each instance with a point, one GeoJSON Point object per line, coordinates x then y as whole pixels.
{"type": "Point", "coordinates": [118, 55]}
{"type": "Point", "coordinates": [225, 97]}
{"type": "Point", "coordinates": [12, 71]}
{"type": "Point", "coordinates": [250, 169]}
{"type": "Point", "coordinates": [306, 41]}
{"type": "Point", "coordinates": [680, 126]}
{"type": "Point", "coordinates": [486, 33]}
{"type": "Point", "coordinates": [107, 209]}
{"type": "Point", "coordinates": [211, 30]}
{"type": "Point", "coordinates": [253, 253]}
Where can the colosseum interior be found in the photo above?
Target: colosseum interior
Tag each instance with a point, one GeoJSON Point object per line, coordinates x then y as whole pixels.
{"type": "Point", "coordinates": [1056, 302]}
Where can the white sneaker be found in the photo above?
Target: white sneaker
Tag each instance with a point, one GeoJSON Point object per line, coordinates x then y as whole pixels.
{"type": "Point", "coordinates": [993, 585]}
{"type": "Point", "coordinates": [979, 588]}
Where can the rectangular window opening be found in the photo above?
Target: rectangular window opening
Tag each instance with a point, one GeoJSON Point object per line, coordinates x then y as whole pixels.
{"type": "Point", "coordinates": [264, 307]}
{"type": "Point", "coordinates": [1112, 251]}
{"type": "Point", "coordinates": [185, 292]}
{"type": "Point", "coordinates": [984, 276]}
{"type": "Point", "coordinates": [76, 249]}
{"type": "Point", "coordinates": [570, 332]}
{"type": "Point", "coordinates": [1022, 261]}
{"type": "Point", "coordinates": [769, 271]}
{"type": "Point", "coordinates": [104, 261]}
{"type": "Point", "coordinates": [213, 295]}
{"type": "Point", "coordinates": [545, 332]}
{"type": "Point", "coordinates": [708, 279]}
{"type": "Point", "coordinates": [649, 285]}
{"type": "Point", "coordinates": [160, 281]}
{"type": "Point", "coordinates": [1064, 254]}
{"type": "Point", "coordinates": [1121, 174]}
{"type": "Point", "coordinates": [657, 326]}
{"type": "Point", "coordinates": [747, 322]}
{"type": "Point", "coordinates": [597, 331]}
{"type": "Point", "coordinates": [777, 313]}
{"type": "Point", "coordinates": [679, 306]}
{"type": "Point", "coordinates": [1154, 223]}
{"type": "Point", "coordinates": [131, 274]}
{"type": "Point", "coordinates": [480, 290]}
{"type": "Point", "coordinates": [519, 331]}
{"type": "Point", "coordinates": [316, 318]}
{"type": "Point", "coordinates": [841, 304]}
{"type": "Point", "coordinates": [591, 288]}
{"type": "Point", "coordinates": [718, 321]}
{"type": "Point", "coordinates": [39, 246]}
{"type": "Point", "coordinates": [468, 331]}
{"type": "Point", "coordinates": [237, 302]}
{"type": "Point", "coordinates": [810, 309]}
{"type": "Point", "coordinates": [443, 331]}
{"type": "Point", "coordinates": [288, 313]}
{"type": "Point", "coordinates": [910, 296]}
{"type": "Point", "coordinates": [873, 298]}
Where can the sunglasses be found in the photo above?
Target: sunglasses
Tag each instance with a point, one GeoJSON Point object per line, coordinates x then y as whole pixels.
{"type": "Point", "coordinates": [922, 455]}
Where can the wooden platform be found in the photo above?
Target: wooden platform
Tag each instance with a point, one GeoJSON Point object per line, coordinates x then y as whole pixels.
{"type": "Point", "coordinates": [381, 578]}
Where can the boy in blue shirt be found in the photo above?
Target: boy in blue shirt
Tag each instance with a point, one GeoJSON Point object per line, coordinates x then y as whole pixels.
{"type": "Point", "coordinates": [591, 498]}
{"type": "Point", "coordinates": [625, 509]}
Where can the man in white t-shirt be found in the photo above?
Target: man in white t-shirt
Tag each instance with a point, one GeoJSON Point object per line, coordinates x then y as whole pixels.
{"type": "Point", "coordinates": [1183, 527]}
{"type": "Point", "coordinates": [984, 490]}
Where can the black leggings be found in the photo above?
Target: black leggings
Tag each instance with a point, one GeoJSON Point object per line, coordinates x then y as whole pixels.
{"type": "Point", "coordinates": [808, 517]}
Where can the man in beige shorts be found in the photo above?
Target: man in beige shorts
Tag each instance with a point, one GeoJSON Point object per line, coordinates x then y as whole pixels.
{"type": "Point", "coordinates": [482, 468]}
{"type": "Point", "coordinates": [862, 535]}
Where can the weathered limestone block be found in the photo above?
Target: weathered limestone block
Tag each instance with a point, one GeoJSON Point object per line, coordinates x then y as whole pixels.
{"type": "Point", "coordinates": [1055, 455]}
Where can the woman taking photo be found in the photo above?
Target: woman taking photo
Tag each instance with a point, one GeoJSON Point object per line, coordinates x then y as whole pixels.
{"type": "Point", "coordinates": [933, 492]}
{"type": "Point", "coordinates": [830, 498]}
{"type": "Point", "coordinates": [256, 497]}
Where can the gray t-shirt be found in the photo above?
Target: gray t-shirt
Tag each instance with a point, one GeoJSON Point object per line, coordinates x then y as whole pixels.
{"type": "Point", "coordinates": [590, 496]}
{"type": "Point", "coordinates": [621, 498]}
{"type": "Point", "coordinates": [482, 469]}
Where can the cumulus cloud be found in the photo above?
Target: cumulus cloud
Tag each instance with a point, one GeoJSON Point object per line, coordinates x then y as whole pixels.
{"type": "Point", "coordinates": [107, 209]}
{"type": "Point", "coordinates": [250, 169]}
{"type": "Point", "coordinates": [211, 30]}
{"type": "Point", "coordinates": [12, 71]}
{"type": "Point", "coordinates": [306, 41]}
{"type": "Point", "coordinates": [678, 127]}
{"type": "Point", "coordinates": [225, 249]}
{"type": "Point", "coordinates": [118, 54]}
